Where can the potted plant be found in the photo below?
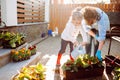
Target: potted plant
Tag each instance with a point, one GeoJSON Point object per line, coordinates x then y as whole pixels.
{"type": "Point", "coordinates": [32, 49]}
{"type": "Point", "coordinates": [12, 40]}
{"type": "Point", "coordinates": [5, 36]}
{"type": "Point", "coordinates": [19, 55]}
{"type": "Point", "coordinates": [111, 62]}
{"type": "Point", "coordinates": [1, 36]}
{"type": "Point", "coordinates": [32, 72]}
{"type": "Point", "coordinates": [17, 40]}
{"type": "Point", "coordinates": [116, 73]}
{"type": "Point", "coordinates": [82, 66]}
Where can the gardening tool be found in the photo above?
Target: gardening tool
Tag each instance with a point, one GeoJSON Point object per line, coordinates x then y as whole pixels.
{"type": "Point", "coordinates": [78, 50]}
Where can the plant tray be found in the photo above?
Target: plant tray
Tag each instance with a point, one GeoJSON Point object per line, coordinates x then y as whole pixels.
{"type": "Point", "coordinates": [22, 59]}
{"type": "Point", "coordinates": [84, 73]}
{"type": "Point", "coordinates": [111, 60]}
{"type": "Point", "coordinates": [7, 46]}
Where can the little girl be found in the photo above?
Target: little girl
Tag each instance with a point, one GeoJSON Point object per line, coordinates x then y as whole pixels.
{"type": "Point", "coordinates": [70, 33]}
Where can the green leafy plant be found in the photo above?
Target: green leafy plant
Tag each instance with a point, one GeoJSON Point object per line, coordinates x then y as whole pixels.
{"type": "Point", "coordinates": [70, 65]}
{"type": "Point", "coordinates": [33, 72]}
{"type": "Point", "coordinates": [7, 35]}
{"type": "Point", "coordinates": [16, 39]}
{"type": "Point", "coordinates": [12, 39]}
{"type": "Point", "coordinates": [1, 35]}
{"type": "Point", "coordinates": [82, 62]}
{"type": "Point", "coordinates": [116, 73]}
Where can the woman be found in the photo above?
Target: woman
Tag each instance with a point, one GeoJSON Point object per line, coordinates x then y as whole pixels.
{"type": "Point", "coordinates": [95, 23]}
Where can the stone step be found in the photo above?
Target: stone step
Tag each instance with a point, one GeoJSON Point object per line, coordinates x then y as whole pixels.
{"type": "Point", "coordinates": [8, 71]}
{"type": "Point", "coordinates": [5, 53]}
{"type": "Point", "coordinates": [4, 57]}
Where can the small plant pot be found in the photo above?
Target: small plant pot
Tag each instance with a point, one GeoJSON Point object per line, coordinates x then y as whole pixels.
{"type": "Point", "coordinates": [1, 42]}
{"type": "Point", "coordinates": [109, 69]}
{"type": "Point", "coordinates": [15, 60]}
{"type": "Point", "coordinates": [33, 52]}
{"type": "Point", "coordinates": [26, 58]}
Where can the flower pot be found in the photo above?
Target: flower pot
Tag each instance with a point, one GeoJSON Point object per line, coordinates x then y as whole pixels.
{"type": "Point", "coordinates": [6, 44]}
{"type": "Point", "coordinates": [22, 59]}
{"type": "Point", "coordinates": [84, 73]}
{"type": "Point", "coordinates": [26, 58]}
{"type": "Point", "coordinates": [43, 35]}
{"type": "Point", "coordinates": [1, 42]}
{"type": "Point", "coordinates": [33, 51]}
{"type": "Point", "coordinates": [111, 60]}
{"type": "Point", "coordinates": [109, 69]}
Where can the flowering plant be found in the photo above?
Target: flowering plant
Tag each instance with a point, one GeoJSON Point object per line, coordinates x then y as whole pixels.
{"type": "Point", "coordinates": [32, 49]}
{"type": "Point", "coordinates": [21, 54]}
{"type": "Point", "coordinates": [82, 62]}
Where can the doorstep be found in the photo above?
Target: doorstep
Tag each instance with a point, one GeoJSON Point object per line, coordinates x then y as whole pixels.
{"type": "Point", "coordinates": [11, 68]}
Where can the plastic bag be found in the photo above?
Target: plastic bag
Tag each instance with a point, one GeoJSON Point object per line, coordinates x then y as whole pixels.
{"type": "Point", "coordinates": [78, 51]}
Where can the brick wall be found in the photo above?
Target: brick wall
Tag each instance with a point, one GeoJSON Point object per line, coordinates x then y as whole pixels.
{"type": "Point", "coordinates": [33, 31]}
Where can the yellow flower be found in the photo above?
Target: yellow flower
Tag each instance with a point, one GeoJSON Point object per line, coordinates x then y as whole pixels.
{"type": "Point", "coordinates": [16, 52]}
{"type": "Point", "coordinates": [28, 52]}
{"type": "Point", "coordinates": [13, 51]}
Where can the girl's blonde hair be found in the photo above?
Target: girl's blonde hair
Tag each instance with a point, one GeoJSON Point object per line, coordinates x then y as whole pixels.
{"type": "Point", "coordinates": [76, 15]}
{"type": "Point", "coordinates": [90, 14]}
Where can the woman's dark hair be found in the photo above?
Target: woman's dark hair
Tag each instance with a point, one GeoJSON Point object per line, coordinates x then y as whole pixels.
{"type": "Point", "coordinates": [90, 14]}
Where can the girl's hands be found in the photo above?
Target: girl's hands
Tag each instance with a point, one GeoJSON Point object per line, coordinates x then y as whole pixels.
{"type": "Point", "coordinates": [76, 43]}
{"type": "Point", "coordinates": [83, 43]}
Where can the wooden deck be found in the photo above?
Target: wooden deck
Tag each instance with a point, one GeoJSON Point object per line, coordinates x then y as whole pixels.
{"type": "Point", "coordinates": [50, 48]}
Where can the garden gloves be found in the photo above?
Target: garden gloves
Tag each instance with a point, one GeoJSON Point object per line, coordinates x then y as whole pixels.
{"type": "Point", "coordinates": [98, 55]}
